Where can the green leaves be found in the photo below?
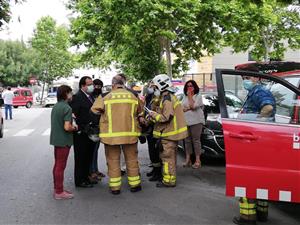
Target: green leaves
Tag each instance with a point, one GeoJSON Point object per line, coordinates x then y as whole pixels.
{"type": "Point", "coordinates": [51, 42]}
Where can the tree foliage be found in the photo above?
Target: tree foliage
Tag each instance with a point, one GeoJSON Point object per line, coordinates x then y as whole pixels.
{"type": "Point", "coordinates": [51, 42]}
{"type": "Point", "coordinates": [5, 13]}
{"type": "Point", "coordinates": [267, 29]}
{"type": "Point", "coordinates": [134, 33]}
{"type": "Point", "coordinates": [17, 63]}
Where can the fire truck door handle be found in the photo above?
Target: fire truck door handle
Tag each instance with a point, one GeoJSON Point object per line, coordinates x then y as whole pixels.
{"type": "Point", "coordinates": [250, 137]}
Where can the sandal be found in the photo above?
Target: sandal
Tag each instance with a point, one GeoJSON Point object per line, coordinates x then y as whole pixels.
{"type": "Point", "coordinates": [196, 165]}
{"type": "Point", "coordinates": [187, 164]}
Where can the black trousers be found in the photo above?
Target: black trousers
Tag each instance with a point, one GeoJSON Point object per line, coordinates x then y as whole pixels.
{"type": "Point", "coordinates": [153, 152]}
{"type": "Point", "coordinates": [83, 155]}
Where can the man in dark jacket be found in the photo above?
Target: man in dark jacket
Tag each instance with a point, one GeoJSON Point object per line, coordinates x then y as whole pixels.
{"type": "Point", "coordinates": [83, 146]}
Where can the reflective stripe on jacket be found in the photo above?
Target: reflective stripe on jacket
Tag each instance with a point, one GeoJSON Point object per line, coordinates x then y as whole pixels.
{"type": "Point", "coordinates": [170, 123]}
{"type": "Point", "coordinates": [118, 122]}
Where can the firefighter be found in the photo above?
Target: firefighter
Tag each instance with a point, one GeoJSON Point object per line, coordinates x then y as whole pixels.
{"type": "Point", "coordinates": [259, 101]}
{"type": "Point", "coordinates": [169, 128]}
{"type": "Point", "coordinates": [119, 130]}
{"type": "Point", "coordinates": [151, 102]}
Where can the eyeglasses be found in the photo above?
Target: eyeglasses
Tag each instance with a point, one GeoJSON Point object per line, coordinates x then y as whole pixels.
{"type": "Point", "coordinates": [189, 85]}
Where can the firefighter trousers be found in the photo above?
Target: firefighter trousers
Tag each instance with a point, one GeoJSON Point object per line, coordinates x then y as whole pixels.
{"type": "Point", "coordinates": [168, 158]}
{"type": "Point", "coordinates": [253, 209]}
{"type": "Point", "coordinates": [112, 153]}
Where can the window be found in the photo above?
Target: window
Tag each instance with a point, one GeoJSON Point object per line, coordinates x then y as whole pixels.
{"type": "Point", "coordinates": [257, 105]}
{"type": "Point", "coordinates": [16, 93]}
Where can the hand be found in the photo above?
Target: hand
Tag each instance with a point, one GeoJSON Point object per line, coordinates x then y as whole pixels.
{"type": "Point", "coordinates": [152, 114]}
{"type": "Point", "coordinates": [142, 120]}
{"type": "Point", "coordinates": [75, 127]}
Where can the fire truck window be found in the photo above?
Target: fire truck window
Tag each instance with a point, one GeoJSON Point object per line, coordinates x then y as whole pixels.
{"type": "Point", "coordinates": [256, 96]}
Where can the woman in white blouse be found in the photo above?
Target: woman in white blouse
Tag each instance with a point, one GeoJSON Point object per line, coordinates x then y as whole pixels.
{"type": "Point", "coordinates": [194, 116]}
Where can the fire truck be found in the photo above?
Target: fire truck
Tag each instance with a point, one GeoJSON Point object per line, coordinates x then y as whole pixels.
{"type": "Point", "coordinates": [263, 156]}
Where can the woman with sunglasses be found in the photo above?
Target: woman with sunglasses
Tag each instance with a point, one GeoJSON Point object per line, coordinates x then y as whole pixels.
{"type": "Point", "coordinates": [194, 116]}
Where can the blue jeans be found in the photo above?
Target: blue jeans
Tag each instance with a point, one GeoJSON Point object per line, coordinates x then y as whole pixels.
{"type": "Point", "coordinates": [8, 110]}
{"type": "Point", "coordinates": [94, 164]}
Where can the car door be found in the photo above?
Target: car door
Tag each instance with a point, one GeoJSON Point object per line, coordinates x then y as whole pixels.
{"type": "Point", "coordinates": [17, 98]}
{"type": "Point", "coordinates": [262, 154]}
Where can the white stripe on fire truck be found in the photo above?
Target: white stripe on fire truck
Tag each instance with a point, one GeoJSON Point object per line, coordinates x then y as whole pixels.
{"type": "Point", "coordinates": [262, 194]}
{"type": "Point", "coordinates": [285, 196]}
{"type": "Point", "coordinates": [240, 191]}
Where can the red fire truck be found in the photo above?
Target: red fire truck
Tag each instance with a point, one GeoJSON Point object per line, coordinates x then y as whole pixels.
{"type": "Point", "coordinates": [263, 156]}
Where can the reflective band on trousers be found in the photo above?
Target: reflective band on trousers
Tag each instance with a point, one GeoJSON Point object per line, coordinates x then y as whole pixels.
{"type": "Point", "coordinates": [134, 181]}
{"type": "Point", "coordinates": [247, 208]}
{"type": "Point", "coordinates": [115, 182]}
{"type": "Point", "coordinates": [262, 206]}
{"type": "Point", "coordinates": [181, 130]}
{"type": "Point", "coordinates": [110, 132]}
{"type": "Point", "coordinates": [167, 178]}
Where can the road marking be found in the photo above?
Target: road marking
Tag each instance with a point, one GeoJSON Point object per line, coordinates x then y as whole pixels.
{"type": "Point", "coordinates": [5, 130]}
{"type": "Point", "coordinates": [46, 132]}
{"type": "Point", "coordinates": [24, 132]}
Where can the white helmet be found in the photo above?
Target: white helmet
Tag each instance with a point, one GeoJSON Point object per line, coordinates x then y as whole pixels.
{"type": "Point", "coordinates": [163, 82]}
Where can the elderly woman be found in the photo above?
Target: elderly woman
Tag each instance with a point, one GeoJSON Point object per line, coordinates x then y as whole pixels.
{"type": "Point", "coordinates": [194, 116]}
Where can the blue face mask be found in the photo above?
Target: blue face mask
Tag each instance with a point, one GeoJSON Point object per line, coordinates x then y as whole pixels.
{"type": "Point", "coordinates": [248, 84]}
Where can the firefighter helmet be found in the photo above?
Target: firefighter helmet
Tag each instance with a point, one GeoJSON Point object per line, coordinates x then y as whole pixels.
{"type": "Point", "coordinates": [163, 82]}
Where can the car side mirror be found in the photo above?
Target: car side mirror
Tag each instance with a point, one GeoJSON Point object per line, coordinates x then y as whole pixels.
{"type": "Point", "coordinates": [1, 102]}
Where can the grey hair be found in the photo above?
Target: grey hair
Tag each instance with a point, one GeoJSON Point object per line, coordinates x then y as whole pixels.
{"type": "Point", "coordinates": [117, 80]}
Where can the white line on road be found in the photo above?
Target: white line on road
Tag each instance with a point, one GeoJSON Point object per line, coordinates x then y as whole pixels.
{"type": "Point", "coordinates": [5, 130]}
{"type": "Point", "coordinates": [24, 132]}
{"type": "Point", "coordinates": [46, 132]}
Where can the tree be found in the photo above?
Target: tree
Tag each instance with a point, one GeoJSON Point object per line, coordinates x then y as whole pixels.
{"type": "Point", "coordinates": [267, 28]}
{"type": "Point", "coordinates": [17, 63]}
{"type": "Point", "coordinates": [5, 11]}
{"type": "Point", "coordinates": [52, 43]}
{"type": "Point", "coordinates": [136, 33]}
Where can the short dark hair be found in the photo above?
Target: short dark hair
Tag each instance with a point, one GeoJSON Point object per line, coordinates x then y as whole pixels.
{"type": "Point", "coordinates": [82, 81]}
{"type": "Point", "coordinates": [123, 76]}
{"type": "Point", "coordinates": [195, 85]}
{"type": "Point", "coordinates": [62, 92]}
{"type": "Point", "coordinates": [98, 82]}
{"type": "Point", "coordinates": [9, 88]}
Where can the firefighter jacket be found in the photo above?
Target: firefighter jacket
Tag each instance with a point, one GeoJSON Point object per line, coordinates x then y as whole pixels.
{"type": "Point", "coordinates": [169, 120]}
{"type": "Point", "coordinates": [118, 122]}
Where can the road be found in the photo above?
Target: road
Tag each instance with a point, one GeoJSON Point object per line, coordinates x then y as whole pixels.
{"type": "Point", "coordinates": [26, 187]}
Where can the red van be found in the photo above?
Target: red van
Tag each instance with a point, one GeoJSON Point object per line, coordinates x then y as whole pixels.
{"type": "Point", "coordinates": [23, 97]}
{"type": "Point", "coordinates": [262, 156]}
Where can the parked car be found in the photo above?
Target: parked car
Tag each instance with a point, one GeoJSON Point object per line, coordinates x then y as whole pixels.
{"type": "Point", "coordinates": [23, 97]}
{"type": "Point", "coordinates": [50, 100]}
{"type": "Point", "coordinates": [212, 139]}
{"type": "Point", "coordinates": [1, 118]}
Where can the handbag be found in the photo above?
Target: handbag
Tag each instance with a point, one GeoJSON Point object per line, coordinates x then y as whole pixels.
{"type": "Point", "coordinates": [92, 131]}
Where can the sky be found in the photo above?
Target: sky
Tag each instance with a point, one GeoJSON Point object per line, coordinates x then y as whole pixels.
{"type": "Point", "coordinates": [29, 13]}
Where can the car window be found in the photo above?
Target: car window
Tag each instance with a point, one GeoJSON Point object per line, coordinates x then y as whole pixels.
{"type": "Point", "coordinates": [16, 93]}
{"type": "Point", "coordinates": [27, 93]}
{"type": "Point", "coordinates": [211, 103]}
{"type": "Point", "coordinates": [268, 101]}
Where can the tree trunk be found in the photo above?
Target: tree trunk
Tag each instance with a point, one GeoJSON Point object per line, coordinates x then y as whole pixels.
{"type": "Point", "coordinates": [168, 55]}
{"type": "Point", "coordinates": [41, 102]}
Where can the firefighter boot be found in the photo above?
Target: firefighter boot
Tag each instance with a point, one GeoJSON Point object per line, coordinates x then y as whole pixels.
{"type": "Point", "coordinates": [150, 174]}
{"type": "Point", "coordinates": [136, 189]}
{"type": "Point", "coordinates": [241, 221]}
{"type": "Point", "coordinates": [157, 176]}
{"type": "Point", "coordinates": [262, 210]}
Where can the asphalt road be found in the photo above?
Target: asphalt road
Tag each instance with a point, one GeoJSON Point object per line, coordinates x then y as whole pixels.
{"type": "Point", "coordinates": [26, 187]}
